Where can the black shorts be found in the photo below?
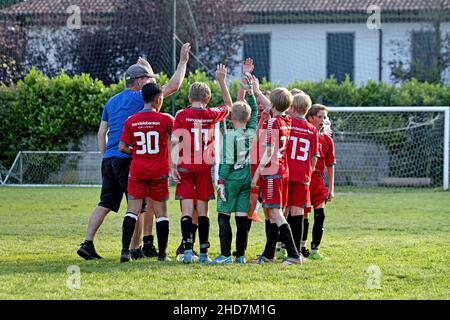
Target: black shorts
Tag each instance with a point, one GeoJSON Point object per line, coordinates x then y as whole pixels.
{"type": "Point", "coordinates": [114, 182]}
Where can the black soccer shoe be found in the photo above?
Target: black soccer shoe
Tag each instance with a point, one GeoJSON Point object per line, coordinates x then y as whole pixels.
{"type": "Point", "coordinates": [87, 251]}
{"type": "Point", "coordinates": [163, 257]}
{"type": "Point", "coordinates": [149, 251]}
{"type": "Point", "coordinates": [180, 249]}
{"type": "Point", "coordinates": [125, 256]}
{"type": "Point", "coordinates": [305, 252]}
{"type": "Point", "coordinates": [136, 253]}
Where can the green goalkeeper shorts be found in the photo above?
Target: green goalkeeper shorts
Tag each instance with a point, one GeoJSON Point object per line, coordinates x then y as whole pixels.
{"type": "Point", "coordinates": [237, 194]}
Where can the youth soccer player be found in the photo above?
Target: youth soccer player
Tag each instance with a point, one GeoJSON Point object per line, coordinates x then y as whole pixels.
{"type": "Point", "coordinates": [146, 136]}
{"type": "Point", "coordinates": [320, 194]}
{"type": "Point", "coordinates": [273, 168]}
{"type": "Point", "coordinates": [263, 100]}
{"type": "Point", "coordinates": [302, 153]}
{"type": "Point", "coordinates": [191, 169]}
{"type": "Point", "coordinates": [235, 180]}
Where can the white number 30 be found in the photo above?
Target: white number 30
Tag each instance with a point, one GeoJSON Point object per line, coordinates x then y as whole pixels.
{"type": "Point", "coordinates": [145, 142]}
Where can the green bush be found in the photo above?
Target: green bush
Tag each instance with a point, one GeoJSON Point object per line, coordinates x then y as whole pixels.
{"type": "Point", "coordinates": [41, 113]}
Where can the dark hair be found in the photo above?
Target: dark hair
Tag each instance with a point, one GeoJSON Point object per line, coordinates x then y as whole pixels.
{"type": "Point", "coordinates": [150, 91]}
{"type": "Point", "coordinates": [314, 110]}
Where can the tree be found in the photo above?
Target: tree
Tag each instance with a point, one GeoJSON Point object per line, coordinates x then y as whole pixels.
{"type": "Point", "coordinates": [108, 44]}
{"type": "Point", "coordinates": [430, 50]}
{"type": "Point", "coordinates": [117, 32]}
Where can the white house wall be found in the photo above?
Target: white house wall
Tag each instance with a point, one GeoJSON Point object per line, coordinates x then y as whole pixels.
{"type": "Point", "coordinates": [299, 51]}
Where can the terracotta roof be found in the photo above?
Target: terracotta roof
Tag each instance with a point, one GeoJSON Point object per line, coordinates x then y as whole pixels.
{"type": "Point", "coordinates": [261, 10]}
{"type": "Point", "coordinates": [273, 6]}
{"type": "Point", "coordinates": [42, 7]}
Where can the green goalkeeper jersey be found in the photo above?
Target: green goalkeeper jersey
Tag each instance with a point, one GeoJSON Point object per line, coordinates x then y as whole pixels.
{"type": "Point", "coordinates": [235, 163]}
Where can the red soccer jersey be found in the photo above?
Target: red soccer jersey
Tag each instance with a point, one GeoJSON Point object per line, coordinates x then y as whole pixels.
{"type": "Point", "coordinates": [195, 128]}
{"type": "Point", "coordinates": [148, 133]}
{"type": "Point", "coordinates": [326, 151]}
{"type": "Point", "coordinates": [277, 131]}
{"type": "Point", "coordinates": [302, 147]}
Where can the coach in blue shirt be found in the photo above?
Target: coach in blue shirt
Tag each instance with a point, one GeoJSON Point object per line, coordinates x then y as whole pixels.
{"type": "Point", "coordinates": [115, 165]}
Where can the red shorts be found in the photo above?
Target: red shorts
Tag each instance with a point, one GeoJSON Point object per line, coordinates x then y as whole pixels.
{"type": "Point", "coordinates": [253, 168]}
{"type": "Point", "coordinates": [195, 185]}
{"type": "Point", "coordinates": [318, 190]}
{"type": "Point", "coordinates": [156, 189]}
{"type": "Point", "coordinates": [274, 192]}
{"type": "Point", "coordinates": [299, 195]}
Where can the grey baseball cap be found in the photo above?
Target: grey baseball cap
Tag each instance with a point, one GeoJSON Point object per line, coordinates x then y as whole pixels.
{"type": "Point", "coordinates": [139, 71]}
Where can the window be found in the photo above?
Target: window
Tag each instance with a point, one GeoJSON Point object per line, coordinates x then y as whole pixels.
{"type": "Point", "coordinates": [257, 47]}
{"type": "Point", "coordinates": [340, 55]}
{"type": "Point", "coordinates": [422, 46]}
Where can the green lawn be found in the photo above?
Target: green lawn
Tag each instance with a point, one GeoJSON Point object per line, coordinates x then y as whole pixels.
{"type": "Point", "coordinates": [405, 233]}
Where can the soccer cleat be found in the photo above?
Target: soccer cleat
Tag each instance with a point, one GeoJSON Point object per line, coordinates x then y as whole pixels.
{"type": "Point", "coordinates": [125, 256]}
{"type": "Point", "coordinates": [262, 259]}
{"type": "Point", "coordinates": [195, 256]}
{"type": "Point", "coordinates": [222, 260]}
{"type": "Point", "coordinates": [87, 251]}
{"type": "Point", "coordinates": [149, 251]}
{"type": "Point", "coordinates": [204, 259]}
{"type": "Point", "coordinates": [240, 260]}
{"type": "Point", "coordinates": [255, 217]}
{"type": "Point", "coordinates": [287, 261]}
{"type": "Point", "coordinates": [180, 257]}
{"type": "Point", "coordinates": [187, 256]}
{"type": "Point", "coordinates": [163, 257]}
{"type": "Point", "coordinates": [305, 252]}
{"type": "Point", "coordinates": [315, 255]}
{"type": "Point", "coordinates": [136, 253]}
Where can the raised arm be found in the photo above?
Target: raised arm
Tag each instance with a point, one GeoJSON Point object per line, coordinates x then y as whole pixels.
{"type": "Point", "coordinates": [265, 102]}
{"type": "Point", "coordinates": [251, 100]}
{"type": "Point", "coordinates": [175, 82]}
{"type": "Point", "coordinates": [221, 77]}
{"type": "Point", "coordinates": [247, 69]}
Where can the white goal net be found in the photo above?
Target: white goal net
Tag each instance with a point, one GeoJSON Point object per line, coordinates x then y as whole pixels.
{"type": "Point", "coordinates": [391, 146]}
{"type": "Point", "coordinates": [374, 146]}
{"type": "Point", "coordinates": [58, 168]}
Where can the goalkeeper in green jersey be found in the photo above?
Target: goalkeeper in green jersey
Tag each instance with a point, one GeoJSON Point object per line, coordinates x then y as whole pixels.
{"type": "Point", "coordinates": [234, 174]}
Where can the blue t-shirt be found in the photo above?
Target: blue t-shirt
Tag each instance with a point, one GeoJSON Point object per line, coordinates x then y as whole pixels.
{"type": "Point", "coordinates": [116, 111]}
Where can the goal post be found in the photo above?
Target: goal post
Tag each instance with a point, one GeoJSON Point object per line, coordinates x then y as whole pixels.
{"type": "Point", "coordinates": [393, 146]}
{"type": "Point", "coordinates": [55, 168]}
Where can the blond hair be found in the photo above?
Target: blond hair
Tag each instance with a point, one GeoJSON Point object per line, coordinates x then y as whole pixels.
{"type": "Point", "coordinates": [281, 99]}
{"type": "Point", "coordinates": [241, 111]}
{"type": "Point", "coordinates": [301, 103]}
{"type": "Point", "coordinates": [315, 110]}
{"type": "Point", "coordinates": [295, 91]}
{"type": "Point", "coordinates": [199, 91]}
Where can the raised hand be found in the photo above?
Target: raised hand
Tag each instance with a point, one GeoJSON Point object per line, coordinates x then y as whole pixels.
{"type": "Point", "coordinates": [255, 83]}
{"type": "Point", "coordinates": [184, 52]}
{"type": "Point", "coordinates": [248, 66]}
{"type": "Point", "coordinates": [221, 73]}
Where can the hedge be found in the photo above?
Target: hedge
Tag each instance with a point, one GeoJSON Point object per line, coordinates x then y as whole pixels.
{"type": "Point", "coordinates": [41, 113]}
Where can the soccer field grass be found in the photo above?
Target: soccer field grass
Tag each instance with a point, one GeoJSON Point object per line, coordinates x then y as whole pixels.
{"type": "Point", "coordinates": [404, 233]}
